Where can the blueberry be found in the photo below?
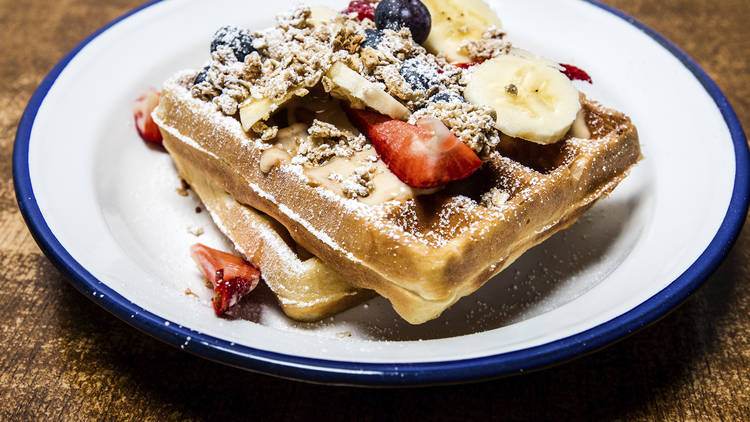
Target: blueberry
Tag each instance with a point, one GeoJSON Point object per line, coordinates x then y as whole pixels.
{"type": "Point", "coordinates": [419, 74]}
{"type": "Point", "coordinates": [373, 38]}
{"type": "Point", "coordinates": [448, 97]}
{"type": "Point", "coordinates": [238, 39]}
{"type": "Point", "coordinates": [201, 76]}
{"type": "Point", "coordinates": [396, 14]}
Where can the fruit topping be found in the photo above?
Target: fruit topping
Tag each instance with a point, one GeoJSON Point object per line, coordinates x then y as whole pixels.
{"type": "Point", "coordinates": [419, 74]}
{"type": "Point", "coordinates": [448, 97]}
{"type": "Point", "coordinates": [145, 125]}
{"type": "Point", "coordinates": [364, 9]}
{"type": "Point", "coordinates": [465, 65]}
{"type": "Point", "coordinates": [253, 110]}
{"type": "Point", "coordinates": [238, 39]}
{"type": "Point", "coordinates": [228, 293]}
{"type": "Point", "coordinates": [373, 37]}
{"type": "Point", "coordinates": [231, 276]}
{"type": "Point", "coordinates": [350, 86]}
{"type": "Point", "coordinates": [575, 73]}
{"type": "Point", "coordinates": [424, 155]}
{"type": "Point", "coordinates": [533, 100]}
{"type": "Point", "coordinates": [397, 14]}
{"type": "Point", "coordinates": [201, 76]}
{"type": "Point", "coordinates": [455, 22]}
{"type": "Point", "coordinates": [320, 14]}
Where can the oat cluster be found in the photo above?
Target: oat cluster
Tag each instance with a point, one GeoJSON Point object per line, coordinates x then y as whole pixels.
{"type": "Point", "coordinates": [325, 141]}
{"type": "Point", "coordinates": [491, 45]}
{"type": "Point", "coordinates": [473, 125]}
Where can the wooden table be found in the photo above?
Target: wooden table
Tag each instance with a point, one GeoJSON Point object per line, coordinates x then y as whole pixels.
{"type": "Point", "coordinates": [64, 358]}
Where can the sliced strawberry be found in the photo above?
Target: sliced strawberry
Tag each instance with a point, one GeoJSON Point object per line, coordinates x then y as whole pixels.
{"type": "Point", "coordinates": [231, 276]}
{"type": "Point", "coordinates": [229, 292]}
{"type": "Point", "coordinates": [576, 74]}
{"type": "Point", "coordinates": [365, 9]}
{"type": "Point", "coordinates": [465, 65]}
{"type": "Point", "coordinates": [422, 156]}
{"type": "Point", "coordinates": [144, 105]}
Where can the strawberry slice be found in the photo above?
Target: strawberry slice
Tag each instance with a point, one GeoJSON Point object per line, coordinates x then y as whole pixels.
{"type": "Point", "coordinates": [231, 276]}
{"type": "Point", "coordinates": [465, 65]}
{"type": "Point", "coordinates": [575, 73]}
{"type": "Point", "coordinates": [365, 9]}
{"type": "Point", "coordinates": [144, 105]}
{"type": "Point", "coordinates": [424, 155]}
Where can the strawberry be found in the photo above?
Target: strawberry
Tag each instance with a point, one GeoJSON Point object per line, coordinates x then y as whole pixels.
{"type": "Point", "coordinates": [231, 276]}
{"type": "Point", "coordinates": [465, 65]}
{"type": "Point", "coordinates": [144, 105]}
{"type": "Point", "coordinates": [574, 73]}
{"type": "Point", "coordinates": [424, 155]}
{"type": "Point", "coordinates": [365, 9]}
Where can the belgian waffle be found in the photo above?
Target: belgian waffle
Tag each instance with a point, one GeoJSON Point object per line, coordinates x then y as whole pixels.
{"type": "Point", "coordinates": [422, 253]}
{"type": "Point", "coordinates": [306, 288]}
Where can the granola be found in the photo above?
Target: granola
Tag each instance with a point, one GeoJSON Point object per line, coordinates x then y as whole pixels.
{"type": "Point", "coordinates": [288, 58]}
{"type": "Point", "coordinates": [360, 183]}
{"type": "Point", "coordinates": [291, 60]}
{"type": "Point", "coordinates": [325, 141]}
{"type": "Point", "coordinates": [492, 44]}
{"type": "Point", "coordinates": [473, 125]}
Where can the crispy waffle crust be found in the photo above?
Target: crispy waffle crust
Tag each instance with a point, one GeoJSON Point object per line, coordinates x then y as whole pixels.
{"type": "Point", "coordinates": [306, 288]}
{"type": "Point", "coordinates": [425, 253]}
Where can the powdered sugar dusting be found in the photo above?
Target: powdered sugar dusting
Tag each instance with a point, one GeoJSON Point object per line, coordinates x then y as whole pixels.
{"type": "Point", "coordinates": [529, 181]}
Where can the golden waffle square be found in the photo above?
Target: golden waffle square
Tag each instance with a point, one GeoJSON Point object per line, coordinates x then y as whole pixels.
{"type": "Point", "coordinates": [424, 253]}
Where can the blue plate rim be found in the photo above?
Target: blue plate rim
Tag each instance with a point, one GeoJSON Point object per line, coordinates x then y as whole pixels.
{"type": "Point", "coordinates": [389, 374]}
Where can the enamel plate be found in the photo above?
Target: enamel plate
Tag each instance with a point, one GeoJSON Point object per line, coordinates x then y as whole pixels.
{"type": "Point", "coordinates": [103, 207]}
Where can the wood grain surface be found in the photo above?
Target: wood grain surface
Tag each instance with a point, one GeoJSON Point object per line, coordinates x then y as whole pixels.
{"type": "Point", "coordinates": [64, 358]}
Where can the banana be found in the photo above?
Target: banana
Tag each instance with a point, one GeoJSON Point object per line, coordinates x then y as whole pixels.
{"type": "Point", "coordinates": [320, 14]}
{"type": "Point", "coordinates": [254, 110]}
{"type": "Point", "coordinates": [533, 100]}
{"type": "Point", "coordinates": [457, 21]}
{"type": "Point", "coordinates": [353, 87]}
{"type": "Point", "coordinates": [347, 85]}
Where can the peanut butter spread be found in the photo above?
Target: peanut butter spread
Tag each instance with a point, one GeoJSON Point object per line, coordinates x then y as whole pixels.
{"type": "Point", "coordinates": [352, 173]}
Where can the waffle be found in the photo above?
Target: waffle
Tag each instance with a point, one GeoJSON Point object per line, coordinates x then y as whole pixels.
{"type": "Point", "coordinates": [423, 253]}
{"type": "Point", "coordinates": [306, 288]}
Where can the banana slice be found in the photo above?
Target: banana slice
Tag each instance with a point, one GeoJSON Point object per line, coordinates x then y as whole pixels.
{"type": "Point", "coordinates": [319, 14]}
{"type": "Point", "coordinates": [353, 87]}
{"type": "Point", "coordinates": [254, 110]}
{"type": "Point", "coordinates": [347, 84]}
{"type": "Point", "coordinates": [533, 100]}
{"type": "Point", "coordinates": [457, 21]}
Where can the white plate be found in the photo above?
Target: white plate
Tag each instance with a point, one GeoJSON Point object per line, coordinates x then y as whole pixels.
{"type": "Point", "coordinates": [103, 207]}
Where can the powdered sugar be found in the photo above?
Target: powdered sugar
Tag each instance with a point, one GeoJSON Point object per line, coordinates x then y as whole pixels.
{"type": "Point", "coordinates": [460, 215]}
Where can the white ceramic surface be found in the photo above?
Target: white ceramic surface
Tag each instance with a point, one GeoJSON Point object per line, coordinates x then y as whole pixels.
{"type": "Point", "coordinates": [111, 202]}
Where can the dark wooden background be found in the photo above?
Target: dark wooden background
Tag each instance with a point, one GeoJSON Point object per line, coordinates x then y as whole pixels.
{"type": "Point", "coordinates": [64, 358]}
